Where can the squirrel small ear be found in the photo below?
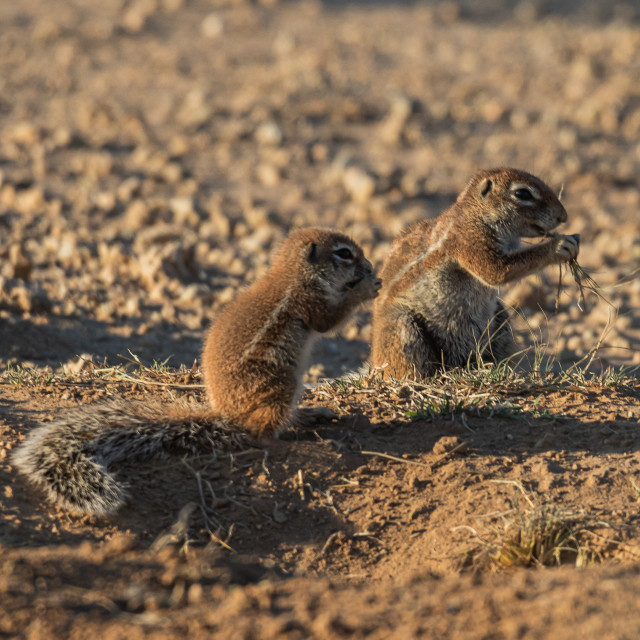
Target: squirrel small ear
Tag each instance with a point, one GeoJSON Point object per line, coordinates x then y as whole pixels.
{"type": "Point", "coordinates": [312, 255]}
{"type": "Point", "coordinates": [485, 187]}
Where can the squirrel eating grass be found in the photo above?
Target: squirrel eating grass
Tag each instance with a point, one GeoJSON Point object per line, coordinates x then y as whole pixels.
{"type": "Point", "coordinates": [439, 306]}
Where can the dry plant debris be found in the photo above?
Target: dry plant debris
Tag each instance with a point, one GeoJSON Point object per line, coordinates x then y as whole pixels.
{"type": "Point", "coordinates": [541, 535]}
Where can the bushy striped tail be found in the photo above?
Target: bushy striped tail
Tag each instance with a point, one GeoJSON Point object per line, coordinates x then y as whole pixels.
{"type": "Point", "coordinates": [69, 457]}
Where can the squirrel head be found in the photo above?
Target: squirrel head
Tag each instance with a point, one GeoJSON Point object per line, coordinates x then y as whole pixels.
{"type": "Point", "coordinates": [329, 256]}
{"type": "Point", "coordinates": [327, 265]}
{"type": "Point", "coordinates": [514, 203]}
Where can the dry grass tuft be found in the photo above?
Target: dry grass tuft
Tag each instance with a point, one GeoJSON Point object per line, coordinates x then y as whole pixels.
{"type": "Point", "coordinates": [541, 535]}
{"type": "Point", "coordinates": [132, 373]}
{"type": "Point", "coordinates": [544, 535]}
{"type": "Point", "coordinates": [502, 390]}
{"type": "Point", "coordinates": [582, 279]}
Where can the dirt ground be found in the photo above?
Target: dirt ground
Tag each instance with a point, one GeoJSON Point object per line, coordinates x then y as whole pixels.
{"type": "Point", "coordinates": [153, 155]}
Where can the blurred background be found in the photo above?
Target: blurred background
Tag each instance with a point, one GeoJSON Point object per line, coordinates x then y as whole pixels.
{"type": "Point", "coordinates": [153, 153]}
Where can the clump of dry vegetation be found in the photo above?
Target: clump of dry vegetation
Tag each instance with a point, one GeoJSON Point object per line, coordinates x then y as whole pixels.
{"type": "Point", "coordinates": [503, 389]}
{"type": "Point", "coordinates": [132, 372]}
{"type": "Point", "coordinates": [541, 535]}
{"type": "Point", "coordinates": [585, 283]}
{"type": "Point", "coordinates": [506, 388]}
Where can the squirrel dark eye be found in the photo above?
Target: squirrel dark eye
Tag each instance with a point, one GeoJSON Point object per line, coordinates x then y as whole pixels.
{"type": "Point", "coordinates": [343, 253]}
{"type": "Point", "coordinates": [524, 194]}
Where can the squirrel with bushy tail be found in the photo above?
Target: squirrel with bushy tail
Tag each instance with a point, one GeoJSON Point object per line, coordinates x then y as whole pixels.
{"type": "Point", "coordinates": [253, 359]}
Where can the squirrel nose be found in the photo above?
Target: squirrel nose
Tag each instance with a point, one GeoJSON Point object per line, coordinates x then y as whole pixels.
{"type": "Point", "coordinates": [561, 216]}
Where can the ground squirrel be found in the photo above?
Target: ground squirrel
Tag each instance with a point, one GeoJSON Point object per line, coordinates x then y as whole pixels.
{"type": "Point", "coordinates": [253, 360]}
{"type": "Point", "coordinates": [439, 305]}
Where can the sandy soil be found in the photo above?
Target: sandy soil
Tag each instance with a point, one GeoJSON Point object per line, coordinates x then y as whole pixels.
{"type": "Point", "coordinates": [153, 154]}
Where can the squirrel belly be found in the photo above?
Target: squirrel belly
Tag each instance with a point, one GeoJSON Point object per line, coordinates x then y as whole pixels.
{"type": "Point", "coordinates": [253, 360]}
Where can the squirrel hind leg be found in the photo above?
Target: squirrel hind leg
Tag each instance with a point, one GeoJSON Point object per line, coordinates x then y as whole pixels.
{"type": "Point", "coordinates": [264, 421]}
{"type": "Point", "coordinates": [410, 348]}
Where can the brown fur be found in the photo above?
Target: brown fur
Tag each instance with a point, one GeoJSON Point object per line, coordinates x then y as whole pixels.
{"type": "Point", "coordinates": [439, 305]}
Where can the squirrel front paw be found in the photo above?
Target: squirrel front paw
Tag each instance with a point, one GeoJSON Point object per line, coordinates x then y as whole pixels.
{"type": "Point", "coordinates": [310, 416]}
{"type": "Point", "coordinates": [566, 248]}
